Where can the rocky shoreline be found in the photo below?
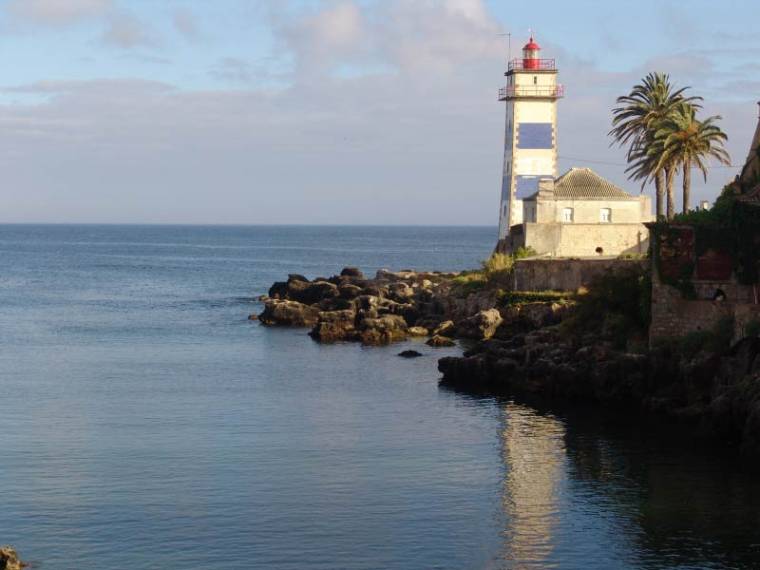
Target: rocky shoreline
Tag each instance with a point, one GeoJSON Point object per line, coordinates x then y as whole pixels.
{"type": "Point", "coordinates": [390, 307]}
{"type": "Point", "coordinates": [716, 393]}
{"type": "Point", "coordinates": [524, 350]}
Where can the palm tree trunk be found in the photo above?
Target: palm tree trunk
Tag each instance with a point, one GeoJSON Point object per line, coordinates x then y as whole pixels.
{"type": "Point", "coordinates": [686, 186]}
{"type": "Point", "coordinates": [669, 176]}
{"type": "Point", "coordinates": [659, 184]}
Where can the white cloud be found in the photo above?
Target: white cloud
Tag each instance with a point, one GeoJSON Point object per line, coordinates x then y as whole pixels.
{"type": "Point", "coordinates": [186, 24]}
{"type": "Point", "coordinates": [126, 31]}
{"type": "Point", "coordinates": [414, 136]}
{"type": "Point", "coordinates": [57, 12]}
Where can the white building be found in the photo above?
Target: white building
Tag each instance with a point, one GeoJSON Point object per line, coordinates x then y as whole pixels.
{"type": "Point", "coordinates": [580, 214]}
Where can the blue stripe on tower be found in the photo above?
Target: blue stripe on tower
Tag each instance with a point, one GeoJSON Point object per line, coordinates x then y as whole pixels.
{"type": "Point", "coordinates": [525, 186]}
{"type": "Point", "coordinates": [535, 135]}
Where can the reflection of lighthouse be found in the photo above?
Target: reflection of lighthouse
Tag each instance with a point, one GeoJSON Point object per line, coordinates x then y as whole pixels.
{"type": "Point", "coordinates": [530, 142]}
{"type": "Point", "coordinates": [534, 455]}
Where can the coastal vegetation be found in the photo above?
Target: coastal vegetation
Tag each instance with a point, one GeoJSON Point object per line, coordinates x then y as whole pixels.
{"type": "Point", "coordinates": [659, 125]}
{"type": "Point", "coordinates": [494, 272]}
{"type": "Point", "coordinates": [615, 307]}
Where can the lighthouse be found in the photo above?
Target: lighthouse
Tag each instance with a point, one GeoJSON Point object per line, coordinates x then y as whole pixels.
{"type": "Point", "coordinates": [530, 141]}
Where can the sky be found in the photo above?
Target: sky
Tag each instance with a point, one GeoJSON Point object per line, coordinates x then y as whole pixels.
{"type": "Point", "coordinates": [333, 111]}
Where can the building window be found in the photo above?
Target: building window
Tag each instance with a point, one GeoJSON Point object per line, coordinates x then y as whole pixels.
{"type": "Point", "coordinates": [504, 213]}
{"type": "Point", "coordinates": [605, 215]}
{"type": "Point", "coordinates": [567, 215]}
{"type": "Point", "coordinates": [535, 80]}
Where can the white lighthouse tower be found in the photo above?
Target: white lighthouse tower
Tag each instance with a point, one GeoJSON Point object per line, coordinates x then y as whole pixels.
{"type": "Point", "coordinates": [530, 143]}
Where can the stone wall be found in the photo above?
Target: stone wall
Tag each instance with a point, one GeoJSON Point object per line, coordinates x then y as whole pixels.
{"type": "Point", "coordinates": [674, 317]}
{"type": "Point", "coordinates": [563, 274]}
{"type": "Point", "coordinates": [582, 240]}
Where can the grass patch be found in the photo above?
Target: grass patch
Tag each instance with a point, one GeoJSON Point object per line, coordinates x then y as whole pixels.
{"type": "Point", "coordinates": [468, 282]}
{"type": "Point", "coordinates": [494, 273]}
{"type": "Point", "coordinates": [752, 329]}
{"type": "Point", "coordinates": [523, 297]}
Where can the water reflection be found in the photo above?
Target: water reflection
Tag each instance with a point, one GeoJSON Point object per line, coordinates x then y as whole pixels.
{"type": "Point", "coordinates": [534, 455]}
{"type": "Point", "coordinates": [590, 491]}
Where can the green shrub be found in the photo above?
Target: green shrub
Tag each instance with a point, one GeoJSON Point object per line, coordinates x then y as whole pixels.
{"type": "Point", "coordinates": [752, 328]}
{"type": "Point", "coordinates": [616, 305]}
{"type": "Point", "coordinates": [693, 342]}
{"type": "Point", "coordinates": [522, 297]}
{"type": "Point", "coordinates": [633, 256]}
{"type": "Point", "coordinates": [722, 335]}
{"type": "Point", "coordinates": [716, 340]}
{"type": "Point", "coordinates": [468, 282]}
{"type": "Point", "coordinates": [523, 252]}
{"type": "Point", "coordinates": [497, 263]}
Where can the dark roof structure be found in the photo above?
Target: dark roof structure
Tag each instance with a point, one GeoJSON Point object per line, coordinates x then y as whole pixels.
{"type": "Point", "coordinates": [584, 184]}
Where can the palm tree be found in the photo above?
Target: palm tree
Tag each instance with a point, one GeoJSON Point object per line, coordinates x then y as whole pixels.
{"type": "Point", "coordinates": [637, 118]}
{"type": "Point", "coordinates": [687, 142]}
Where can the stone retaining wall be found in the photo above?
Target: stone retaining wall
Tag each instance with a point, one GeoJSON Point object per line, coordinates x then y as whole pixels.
{"type": "Point", "coordinates": [674, 317]}
{"type": "Point", "coordinates": [563, 274]}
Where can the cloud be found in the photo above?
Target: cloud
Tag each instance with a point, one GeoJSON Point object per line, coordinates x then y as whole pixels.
{"type": "Point", "coordinates": [57, 12]}
{"type": "Point", "coordinates": [185, 23]}
{"type": "Point", "coordinates": [125, 31]}
{"type": "Point", "coordinates": [387, 113]}
{"type": "Point", "coordinates": [233, 69]}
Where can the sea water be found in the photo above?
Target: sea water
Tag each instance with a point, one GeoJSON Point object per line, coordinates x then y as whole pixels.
{"type": "Point", "coordinates": [146, 423]}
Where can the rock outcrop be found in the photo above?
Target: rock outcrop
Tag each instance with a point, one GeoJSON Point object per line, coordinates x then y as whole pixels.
{"type": "Point", "coordinates": [350, 307]}
{"type": "Point", "coordinates": [718, 393]}
{"type": "Point", "coordinates": [9, 559]}
{"type": "Point", "coordinates": [289, 313]}
{"type": "Point", "coordinates": [480, 326]}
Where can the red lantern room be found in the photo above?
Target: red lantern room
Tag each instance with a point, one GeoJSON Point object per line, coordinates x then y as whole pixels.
{"type": "Point", "coordinates": [530, 55]}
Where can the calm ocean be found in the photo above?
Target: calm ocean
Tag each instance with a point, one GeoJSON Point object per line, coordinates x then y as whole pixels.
{"type": "Point", "coordinates": [146, 423]}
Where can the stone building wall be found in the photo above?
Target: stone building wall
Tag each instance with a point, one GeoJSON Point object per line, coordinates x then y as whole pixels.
{"type": "Point", "coordinates": [588, 211]}
{"type": "Point", "coordinates": [582, 240]}
{"type": "Point", "coordinates": [674, 317]}
{"type": "Point", "coordinates": [563, 274]}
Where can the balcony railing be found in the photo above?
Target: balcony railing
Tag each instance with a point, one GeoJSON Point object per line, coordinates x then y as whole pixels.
{"type": "Point", "coordinates": [537, 91]}
{"type": "Point", "coordinates": [532, 65]}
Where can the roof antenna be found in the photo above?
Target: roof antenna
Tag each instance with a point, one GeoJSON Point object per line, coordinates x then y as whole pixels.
{"type": "Point", "coordinates": [509, 45]}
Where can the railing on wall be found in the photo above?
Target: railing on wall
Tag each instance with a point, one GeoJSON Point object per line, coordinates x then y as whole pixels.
{"type": "Point", "coordinates": [531, 65]}
{"type": "Point", "coordinates": [540, 91]}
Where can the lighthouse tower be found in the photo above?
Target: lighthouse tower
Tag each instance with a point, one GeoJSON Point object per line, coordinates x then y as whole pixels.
{"type": "Point", "coordinates": [530, 143]}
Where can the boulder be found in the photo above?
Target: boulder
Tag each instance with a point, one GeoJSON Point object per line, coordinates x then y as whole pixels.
{"type": "Point", "coordinates": [349, 291]}
{"type": "Point", "coordinates": [9, 559]}
{"type": "Point", "coordinates": [386, 275]}
{"type": "Point", "coordinates": [279, 290]}
{"type": "Point", "coordinates": [368, 302]}
{"type": "Point", "coordinates": [352, 272]}
{"type": "Point", "coordinates": [336, 304]}
{"type": "Point", "coordinates": [288, 313]}
{"type": "Point", "coordinates": [400, 292]}
{"type": "Point", "coordinates": [334, 326]}
{"type": "Point", "coordinates": [480, 326]}
{"type": "Point", "coordinates": [471, 372]}
{"type": "Point", "coordinates": [312, 293]}
{"type": "Point", "coordinates": [439, 341]}
{"type": "Point", "coordinates": [253, 317]}
{"type": "Point", "coordinates": [417, 331]}
{"type": "Point", "coordinates": [409, 354]}
{"type": "Point", "coordinates": [383, 330]}
{"type": "Point", "coordinates": [446, 328]}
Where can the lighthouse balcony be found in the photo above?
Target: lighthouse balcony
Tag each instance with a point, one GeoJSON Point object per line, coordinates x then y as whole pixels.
{"type": "Point", "coordinates": [536, 91]}
{"type": "Point", "coordinates": [532, 65]}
